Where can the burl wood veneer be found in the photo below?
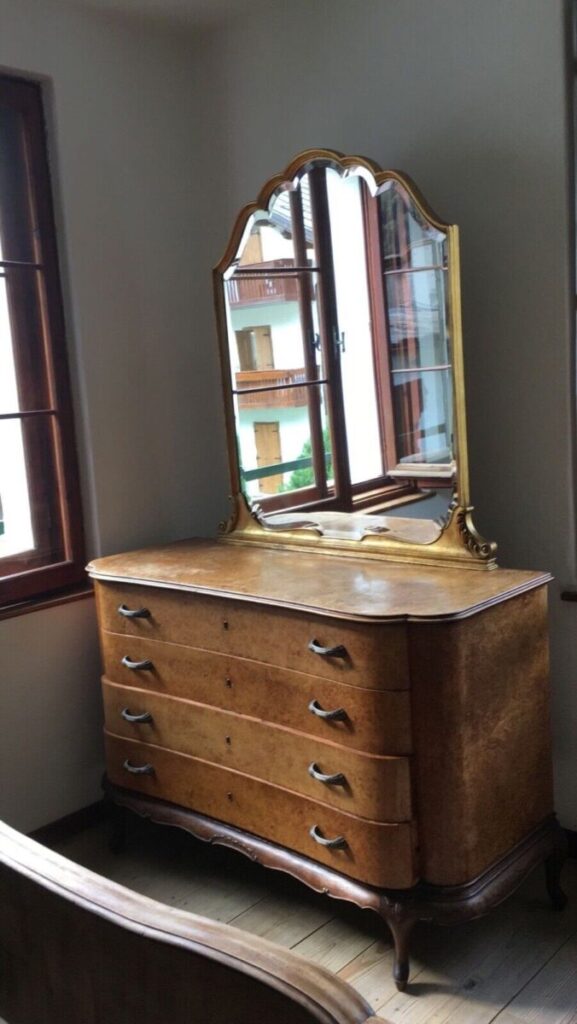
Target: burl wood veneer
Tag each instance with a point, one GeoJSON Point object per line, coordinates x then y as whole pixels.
{"type": "Point", "coordinates": [380, 731]}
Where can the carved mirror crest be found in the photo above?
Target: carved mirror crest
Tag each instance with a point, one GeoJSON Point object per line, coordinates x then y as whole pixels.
{"type": "Point", "coordinates": [338, 305]}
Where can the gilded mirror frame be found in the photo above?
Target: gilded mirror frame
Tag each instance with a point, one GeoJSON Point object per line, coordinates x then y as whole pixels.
{"type": "Point", "coordinates": [458, 542]}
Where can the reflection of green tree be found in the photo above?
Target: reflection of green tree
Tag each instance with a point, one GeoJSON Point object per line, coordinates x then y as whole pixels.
{"type": "Point", "coordinates": [305, 477]}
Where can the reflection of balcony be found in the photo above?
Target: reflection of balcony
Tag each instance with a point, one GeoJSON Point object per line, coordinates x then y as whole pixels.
{"type": "Point", "coordinates": [250, 291]}
{"type": "Point", "coordinates": [283, 398]}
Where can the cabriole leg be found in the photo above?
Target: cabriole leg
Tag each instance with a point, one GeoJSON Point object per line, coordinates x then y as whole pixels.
{"type": "Point", "coordinates": [401, 928]}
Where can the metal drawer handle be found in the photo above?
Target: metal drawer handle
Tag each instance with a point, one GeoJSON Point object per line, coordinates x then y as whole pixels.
{"type": "Point", "coordinates": [138, 769]}
{"type": "Point", "coordinates": [333, 844]}
{"type": "Point", "coordinates": [133, 613]}
{"type": "Point", "coordinates": [136, 665]}
{"type": "Point", "coordinates": [338, 715]}
{"type": "Point", "coordinates": [144, 717]}
{"type": "Point", "coordinates": [329, 652]}
{"type": "Point", "coordinates": [338, 779]}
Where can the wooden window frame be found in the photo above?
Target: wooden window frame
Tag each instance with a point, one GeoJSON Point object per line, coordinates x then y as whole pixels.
{"type": "Point", "coordinates": [42, 370]}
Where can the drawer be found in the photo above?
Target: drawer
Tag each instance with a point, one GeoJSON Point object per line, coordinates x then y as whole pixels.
{"type": "Point", "coordinates": [361, 784]}
{"type": "Point", "coordinates": [378, 854]}
{"type": "Point", "coordinates": [375, 721]}
{"type": "Point", "coordinates": [373, 655]}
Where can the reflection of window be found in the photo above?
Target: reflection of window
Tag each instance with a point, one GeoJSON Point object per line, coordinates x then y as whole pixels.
{"type": "Point", "coordinates": [255, 348]}
{"type": "Point", "coordinates": [351, 287]}
{"type": "Point", "coordinates": [41, 541]}
{"type": "Point", "coordinates": [412, 277]}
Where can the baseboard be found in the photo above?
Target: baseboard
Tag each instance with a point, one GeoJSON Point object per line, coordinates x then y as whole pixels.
{"type": "Point", "coordinates": [64, 828]}
{"type": "Point", "coordinates": [572, 840]}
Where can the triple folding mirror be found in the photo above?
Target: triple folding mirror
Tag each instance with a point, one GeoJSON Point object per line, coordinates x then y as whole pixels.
{"type": "Point", "coordinates": [338, 305]}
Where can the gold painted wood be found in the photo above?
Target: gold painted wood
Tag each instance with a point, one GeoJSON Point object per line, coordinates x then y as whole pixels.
{"type": "Point", "coordinates": [349, 588]}
{"type": "Point", "coordinates": [376, 655]}
{"type": "Point", "coordinates": [374, 787]}
{"type": "Point", "coordinates": [459, 543]}
{"type": "Point", "coordinates": [376, 853]}
{"type": "Point", "coordinates": [377, 721]}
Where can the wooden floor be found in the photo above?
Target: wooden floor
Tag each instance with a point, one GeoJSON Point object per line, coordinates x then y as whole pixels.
{"type": "Point", "coordinates": [516, 966]}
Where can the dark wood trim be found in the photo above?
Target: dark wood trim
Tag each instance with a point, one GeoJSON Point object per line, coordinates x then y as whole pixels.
{"type": "Point", "coordinates": [50, 600]}
{"type": "Point", "coordinates": [71, 824]}
{"type": "Point", "coordinates": [37, 317]}
{"type": "Point", "coordinates": [569, 595]}
{"type": "Point", "coordinates": [400, 909]}
{"type": "Point", "coordinates": [571, 843]}
{"type": "Point", "coordinates": [305, 293]}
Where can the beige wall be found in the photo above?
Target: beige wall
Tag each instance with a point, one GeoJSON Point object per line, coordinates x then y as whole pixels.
{"type": "Point", "coordinates": [160, 137]}
{"type": "Point", "coordinates": [50, 714]}
{"type": "Point", "coordinates": [124, 112]}
{"type": "Point", "coordinates": [469, 99]}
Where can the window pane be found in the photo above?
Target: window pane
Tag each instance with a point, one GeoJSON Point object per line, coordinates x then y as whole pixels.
{"type": "Point", "coordinates": [23, 378]}
{"type": "Point", "coordinates": [271, 237]}
{"type": "Point", "coordinates": [423, 405]}
{"type": "Point", "coordinates": [266, 245]}
{"type": "Point", "coordinates": [16, 225]}
{"type": "Point", "coordinates": [416, 312]}
{"type": "Point", "coordinates": [406, 238]}
{"type": "Point", "coordinates": [27, 491]}
{"type": "Point", "coordinates": [14, 491]}
{"type": "Point", "coordinates": [267, 319]}
{"type": "Point", "coordinates": [275, 441]}
{"type": "Point", "coordinates": [354, 320]}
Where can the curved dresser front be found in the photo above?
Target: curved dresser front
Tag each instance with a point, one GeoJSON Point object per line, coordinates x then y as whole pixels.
{"type": "Point", "coordinates": [385, 721]}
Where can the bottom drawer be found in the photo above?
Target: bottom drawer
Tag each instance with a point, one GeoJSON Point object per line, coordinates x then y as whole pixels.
{"type": "Point", "coordinates": [380, 855]}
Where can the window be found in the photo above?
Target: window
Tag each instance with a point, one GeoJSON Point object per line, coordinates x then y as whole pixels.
{"type": "Point", "coordinates": [337, 325]}
{"type": "Point", "coordinates": [41, 539]}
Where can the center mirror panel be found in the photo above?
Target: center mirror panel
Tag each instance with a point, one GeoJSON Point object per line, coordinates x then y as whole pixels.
{"type": "Point", "coordinates": [339, 347]}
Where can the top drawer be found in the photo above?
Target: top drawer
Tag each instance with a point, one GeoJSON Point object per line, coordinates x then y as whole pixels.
{"type": "Point", "coordinates": [360, 654]}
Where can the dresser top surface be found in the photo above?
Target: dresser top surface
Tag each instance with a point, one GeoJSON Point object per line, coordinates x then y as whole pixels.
{"type": "Point", "coordinates": [351, 588]}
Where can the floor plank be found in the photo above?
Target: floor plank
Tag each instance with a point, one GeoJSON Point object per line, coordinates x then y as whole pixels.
{"type": "Point", "coordinates": [172, 868]}
{"type": "Point", "coordinates": [282, 920]}
{"type": "Point", "coordinates": [518, 965]}
{"type": "Point", "coordinates": [551, 995]}
{"type": "Point", "coordinates": [339, 941]}
{"type": "Point", "coordinates": [469, 972]}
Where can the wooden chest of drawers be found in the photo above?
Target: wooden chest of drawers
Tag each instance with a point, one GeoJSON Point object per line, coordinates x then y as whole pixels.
{"type": "Point", "coordinates": [388, 724]}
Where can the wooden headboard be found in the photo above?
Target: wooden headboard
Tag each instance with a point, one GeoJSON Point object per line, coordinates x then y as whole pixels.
{"type": "Point", "coordinates": [76, 947]}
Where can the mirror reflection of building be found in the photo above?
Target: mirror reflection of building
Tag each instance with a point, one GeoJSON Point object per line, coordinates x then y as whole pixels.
{"type": "Point", "coordinates": [340, 347]}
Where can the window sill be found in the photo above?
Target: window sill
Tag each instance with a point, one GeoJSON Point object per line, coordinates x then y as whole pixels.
{"type": "Point", "coordinates": [34, 604]}
{"type": "Point", "coordinates": [388, 498]}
